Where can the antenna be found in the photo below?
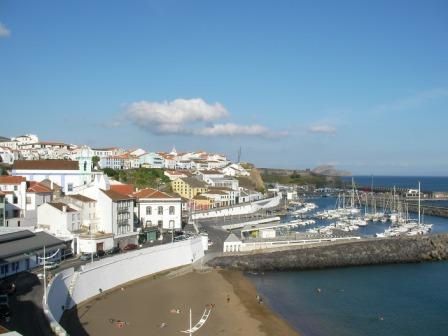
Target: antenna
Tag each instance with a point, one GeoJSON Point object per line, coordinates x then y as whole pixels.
{"type": "Point", "coordinates": [239, 155]}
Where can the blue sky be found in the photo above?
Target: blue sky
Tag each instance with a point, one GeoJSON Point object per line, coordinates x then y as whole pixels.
{"type": "Point", "coordinates": [359, 84]}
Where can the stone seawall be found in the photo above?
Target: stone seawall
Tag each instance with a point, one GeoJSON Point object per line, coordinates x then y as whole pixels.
{"type": "Point", "coordinates": [364, 252]}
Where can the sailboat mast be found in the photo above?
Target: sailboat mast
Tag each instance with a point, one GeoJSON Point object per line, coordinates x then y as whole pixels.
{"type": "Point", "coordinates": [418, 202]}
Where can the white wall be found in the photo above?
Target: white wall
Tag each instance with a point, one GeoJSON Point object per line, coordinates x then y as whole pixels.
{"type": "Point", "coordinates": [109, 273]}
{"type": "Point", "coordinates": [239, 209]}
{"type": "Point", "coordinates": [155, 217]}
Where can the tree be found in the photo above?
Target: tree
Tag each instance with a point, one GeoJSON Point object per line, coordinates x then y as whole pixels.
{"type": "Point", "coordinates": [95, 160]}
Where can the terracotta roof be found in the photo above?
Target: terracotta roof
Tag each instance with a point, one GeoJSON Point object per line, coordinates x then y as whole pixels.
{"type": "Point", "coordinates": [12, 179]}
{"type": "Point", "coordinates": [105, 149]}
{"type": "Point", "coordinates": [60, 206]}
{"type": "Point", "coordinates": [115, 196]}
{"type": "Point", "coordinates": [200, 197]}
{"type": "Point", "coordinates": [211, 172]}
{"type": "Point", "coordinates": [45, 165]}
{"type": "Point", "coordinates": [193, 182]}
{"type": "Point", "coordinates": [38, 187]}
{"type": "Point", "coordinates": [82, 198]}
{"type": "Point", "coordinates": [51, 143]}
{"type": "Point", "coordinates": [47, 183]}
{"type": "Point", "coordinates": [124, 189]}
{"type": "Point", "coordinates": [151, 193]}
{"type": "Point", "coordinates": [216, 192]}
{"type": "Point", "coordinates": [175, 172]}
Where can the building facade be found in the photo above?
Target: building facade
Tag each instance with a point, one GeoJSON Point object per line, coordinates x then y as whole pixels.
{"type": "Point", "coordinates": [156, 208]}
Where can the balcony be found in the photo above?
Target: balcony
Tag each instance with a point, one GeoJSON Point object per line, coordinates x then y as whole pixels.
{"type": "Point", "coordinates": [123, 209]}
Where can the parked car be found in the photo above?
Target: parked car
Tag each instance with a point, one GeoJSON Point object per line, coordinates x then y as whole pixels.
{"type": "Point", "coordinates": [113, 250]}
{"type": "Point", "coordinates": [88, 256]}
{"type": "Point", "coordinates": [101, 253]}
{"type": "Point", "coordinates": [49, 265]}
{"type": "Point", "coordinates": [129, 247]}
{"type": "Point", "coordinates": [7, 287]}
{"type": "Point", "coordinates": [5, 311]}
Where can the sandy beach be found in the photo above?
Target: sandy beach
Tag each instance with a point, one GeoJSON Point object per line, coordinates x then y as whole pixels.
{"type": "Point", "coordinates": [160, 306]}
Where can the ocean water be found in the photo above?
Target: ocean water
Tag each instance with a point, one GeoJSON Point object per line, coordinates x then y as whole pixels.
{"type": "Point", "coordinates": [398, 300]}
{"type": "Point", "coordinates": [389, 300]}
{"type": "Point", "coordinates": [428, 183]}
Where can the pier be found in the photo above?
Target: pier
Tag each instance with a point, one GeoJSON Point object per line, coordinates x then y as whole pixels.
{"type": "Point", "coordinates": [411, 204]}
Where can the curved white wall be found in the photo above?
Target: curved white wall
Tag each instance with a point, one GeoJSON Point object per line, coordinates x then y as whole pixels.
{"type": "Point", "coordinates": [241, 209]}
{"type": "Point", "coordinates": [69, 288]}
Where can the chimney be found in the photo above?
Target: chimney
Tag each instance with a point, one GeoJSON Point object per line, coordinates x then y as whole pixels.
{"type": "Point", "coordinates": [51, 185]}
{"type": "Point", "coordinates": [64, 208]}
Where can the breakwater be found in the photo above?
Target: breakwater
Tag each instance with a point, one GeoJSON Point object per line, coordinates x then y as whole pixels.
{"type": "Point", "coordinates": [365, 252]}
{"type": "Point", "coordinates": [412, 206]}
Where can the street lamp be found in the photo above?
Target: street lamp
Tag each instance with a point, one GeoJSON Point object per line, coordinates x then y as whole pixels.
{"type": "Point", "coordinates": [44, 258]}
{"type": "Point", "coordinates": [91, 240]}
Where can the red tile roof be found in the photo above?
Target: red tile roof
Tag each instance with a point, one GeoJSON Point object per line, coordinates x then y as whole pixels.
{"type": "Point", "coordinates": [114, 196]}
{"type": "Point", "coordinates": [45, 165]}
{"type": "Point", "coordinates": [151, 193]}
{"type": "Point", "coordinates": [38, 187]}
{"type": "Point", "coordinates": [124, 189]}
{"type": "Point", "coordinates": [60, 207]}
{"type": "Point", "coordinates": [12, 179]}
{"type": "Point", "coordinates": [82, 198]}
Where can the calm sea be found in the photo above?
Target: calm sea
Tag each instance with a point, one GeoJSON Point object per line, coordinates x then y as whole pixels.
{"type": "Point", "coordinates": [428, 183]}
{"type": "Point", "coordinates": [398, 300]}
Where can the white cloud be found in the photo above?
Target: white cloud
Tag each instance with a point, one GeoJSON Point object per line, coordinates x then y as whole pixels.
{"type": "Point", "coordinates": [169, 117]}
{"type": "Point", "coordinates": [233, 129]}
{"type": "Point", "coordinates": [326, 129]}
{"type": "Point", "coordinates": [190, 116]}
{"type": "Point", "coordinates": [4, 32]}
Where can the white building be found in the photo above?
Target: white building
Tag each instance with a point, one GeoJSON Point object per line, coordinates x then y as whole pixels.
{"type": "Point", "coordinates": [235, 169]}
{"type": "Point", "coordinates": [156, 208]}
{"type": "Point", "coordinates": [175, 174]}
{"type": "Point", "coordinates": [14, 188]}
{"type": "Point", "coordinates": [115, 213]}
{"type": "Point", "coordinates": [6, 155]}
{"type": "Point", "coordinates": [151, 160]}
{"type": "Point", "coordinates": [232, 244]}
{"type": "Point", "coordinates": [70, 175]}
{"type": "Point", "coordinates": [59, 219]}
{"type": "Point", "coordinates": [104, 152]}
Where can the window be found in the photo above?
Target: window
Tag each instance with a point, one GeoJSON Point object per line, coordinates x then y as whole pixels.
{"type": "Point", "coordinates": [15, 188]}
{"type": "Point", "coordinates": [148, 223]}
{"type": "Point", "coordinates": [15, 200]}
{"type": "Point", "coordinates": [171, 210]}
{"type": "Point", "coordinates": [4, 269]}
{"type": "Point", "coordinates": [15, 266]}
{"type": "Point", "coordinates": [160, 223]}
{"type": "Point", "coordinates": [148, 210]}
{"type": "Point", "coordinates": [160, 210]}
{"type": "Point", "coordinates": [70, 187]}
{"type": "Point", "coordinates": [28, 200]}
{"type": "Point", "coordinates": [171, 224]}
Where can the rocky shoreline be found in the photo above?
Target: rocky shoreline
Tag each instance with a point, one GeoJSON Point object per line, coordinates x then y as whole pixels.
{"type": "Point", "coordinates": [363, 252]}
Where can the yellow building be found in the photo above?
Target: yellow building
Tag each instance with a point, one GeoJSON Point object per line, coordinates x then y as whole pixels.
{"type": "Point", "coordinates": [202, 202]}
{"type": "Point", "coordinates": [188, 187]}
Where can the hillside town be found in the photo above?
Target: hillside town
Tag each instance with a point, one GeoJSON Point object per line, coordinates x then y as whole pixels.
{"type": "Point", "coordinates": [55, 190]}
